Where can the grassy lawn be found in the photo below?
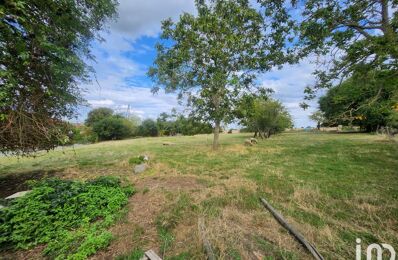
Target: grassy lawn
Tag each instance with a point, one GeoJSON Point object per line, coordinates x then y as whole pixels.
{"type": "Point", "coordinates": [333, 188]}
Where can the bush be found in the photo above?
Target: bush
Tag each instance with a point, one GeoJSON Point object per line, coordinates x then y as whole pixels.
{"type": "Point", "coordinates": [97, 115]}
{"type": "Point", "coordinates": [136, 160]}
{"type": "Point", "coordinates": [148, 128]}
{"type": "Point", "coordinates": [113, 128]}
{"type": "Point", "coordinates": [70, 216]}
{"type": "Point", "coordinates": [84, 135]}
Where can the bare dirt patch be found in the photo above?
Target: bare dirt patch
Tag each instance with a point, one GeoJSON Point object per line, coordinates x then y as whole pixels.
{"type": "Point", "coordinates": [143, 208]}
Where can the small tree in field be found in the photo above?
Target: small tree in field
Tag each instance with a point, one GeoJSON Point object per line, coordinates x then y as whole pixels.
{"type": "Point", "coordinates": [263, 115]}
{"type": "Point", "coordinates": [319, 118]}
{"type": "Point", "coordinates": [211, 57]}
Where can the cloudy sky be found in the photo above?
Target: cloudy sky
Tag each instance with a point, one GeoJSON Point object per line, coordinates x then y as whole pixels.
{"type": "Point", "coordinates": [123, 59]}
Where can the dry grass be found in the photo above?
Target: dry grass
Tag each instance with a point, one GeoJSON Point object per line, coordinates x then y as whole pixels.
{"type": "Point", "coordinates": [332, 188]}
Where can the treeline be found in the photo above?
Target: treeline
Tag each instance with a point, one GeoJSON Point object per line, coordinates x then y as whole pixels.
{"type": "Point", "coordinates": [104, 124]}
{"type": "Point", "coordinates": [368, 100]}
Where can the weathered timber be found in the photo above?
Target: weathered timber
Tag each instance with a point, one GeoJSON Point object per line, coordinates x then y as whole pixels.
{"type": "Point", "coordinates": [292, 231]}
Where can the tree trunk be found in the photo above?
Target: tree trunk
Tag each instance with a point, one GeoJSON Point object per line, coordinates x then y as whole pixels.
{"type": "Point", "coordinates": [216, 135]}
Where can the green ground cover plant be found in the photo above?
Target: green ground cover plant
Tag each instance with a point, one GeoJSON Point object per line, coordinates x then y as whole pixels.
{"type": "Point", "coordinates": [69, 216]}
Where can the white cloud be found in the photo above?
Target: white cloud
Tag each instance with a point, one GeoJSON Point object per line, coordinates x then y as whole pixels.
{"type": "Point", "coordinates": [288, 84]}
{"type": "Point", "coordinates": [100, 103]}
{"type": "Point", "coordinates": [138, 18]}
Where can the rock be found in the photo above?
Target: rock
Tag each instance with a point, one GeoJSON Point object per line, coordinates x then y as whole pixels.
{"type": "Point", "coordinates": [139, 168]}
{"type": "Point", "coordinates": [253, 140]}
{"type": "Point", "coordinates": [248, 142]}
{"type": "Point", "coordinates": [18, 194]}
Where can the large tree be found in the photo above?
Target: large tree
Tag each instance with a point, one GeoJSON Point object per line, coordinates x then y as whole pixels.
{"type": "Point", "coordinates": [357, 35]}
{"type": "Point", "coordinates": [44, 45]}
{"type": "Point", "coordinates": [211, 57]}
{"type": "Point", "coordinates": [368, 102]}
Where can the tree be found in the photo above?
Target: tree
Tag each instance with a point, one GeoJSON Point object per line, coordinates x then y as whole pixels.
{"type": "Point", "coordinates": [209, 58]}
{"type": "Point", "coordinates": [319, 118]}
{"type": "Point", "coordinates": [368, 102]}
{"type": "Point", "coordinates": [263, 115]}
{"type": "Point", "coordinates": [98, 114]}
{"type": "Point", "coordinates": [148, 128]}
{"type": "Point", "coordinates": [43, 46]}
{"type": "Point", "coordinates": [359, 36]}
{"type": "Point", "coordinates": [113, 128]}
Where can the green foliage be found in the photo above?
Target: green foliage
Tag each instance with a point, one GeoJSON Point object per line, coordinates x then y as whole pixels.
{"type": "Point", "coordinates": [365, 100]}
{"type": "Point", "coordinates": [179, 124]}
{"type": "Point", "coordinates": [357, 36]}
{"type": "Point", "coordinates": [263, 115]}
{"type": "Point", "coordinates": [148, 128]}
{"type": "Point", "coordinates": [212, 57]}
{"type": "Point", "coordinates": [136, 254]}
{"type": "Point", "coordinates": [136, 160]}
{"type": "Point", "coordinates": [83, 134]}
{"type": "Point", "coordinates": [44, 45]}
{"type": "Point", "coordinates": [97, 115]}
{"type": "Point", "coordinates": [70, 216]}
{"type": "Point", "coordinates": [113, 128]}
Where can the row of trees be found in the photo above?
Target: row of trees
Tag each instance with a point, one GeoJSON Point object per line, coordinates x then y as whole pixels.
{"type": "Point", "coordinates": [104, 124]}
{"type": "Point", "coordinates": [209, 58]}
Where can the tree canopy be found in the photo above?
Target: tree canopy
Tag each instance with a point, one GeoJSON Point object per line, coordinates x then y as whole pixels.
{"type": "Point", "coordinates": [211, 57]}
{"type": "Point", "coordinates": [98, 114]}
{"type": "Point", "coordinates": [263, 115]}
{"type": "Point", "coordinates": [358, 36]}
{"type": "Point", "coordinates": [44, 45]}
{"type": "Point", "coordinates": [368, 102]}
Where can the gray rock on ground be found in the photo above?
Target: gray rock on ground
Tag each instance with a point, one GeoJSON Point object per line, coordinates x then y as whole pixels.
{"type": "Point", "coordinates": [18, 194]}
{"type": "Point", "coordinates": [139, 168]}
{"type": "Point", "coordinates": [248, 142]}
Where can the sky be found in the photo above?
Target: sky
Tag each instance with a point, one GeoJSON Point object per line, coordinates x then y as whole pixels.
{"type": "Point", "coordinates": [123, 59]}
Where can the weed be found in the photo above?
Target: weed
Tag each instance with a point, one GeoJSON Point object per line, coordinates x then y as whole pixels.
{"type": "Point", "coordinates": [70, 216]}
{"type": "Point", "coordinates": [136, 160]}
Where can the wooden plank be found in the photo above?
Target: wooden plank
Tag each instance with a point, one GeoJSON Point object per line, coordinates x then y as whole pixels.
{"type": "Point", "coordinates": [205, 241]}
{"type": "Point", "coordinates": [152, 255]}
{"type": "Point", "coordinates": [294, 232]}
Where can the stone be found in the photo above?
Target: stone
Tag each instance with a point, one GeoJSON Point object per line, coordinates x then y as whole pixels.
{"type": "Point", "coordinates": [139, 168]}
{"type": "Point", "coordinates": [18, 194]}
{"type": "Point", "coordinates": [248, 142]}
{"type": "Point", "coordinates": [253, 140]}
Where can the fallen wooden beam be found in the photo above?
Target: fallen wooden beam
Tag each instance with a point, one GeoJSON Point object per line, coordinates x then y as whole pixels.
{"type": "Point", "coordinates": [205, 241]}
{"type": "Point", "coordinates": [294, 232]}
{"type": "Point", "coordinates": [150, 255]}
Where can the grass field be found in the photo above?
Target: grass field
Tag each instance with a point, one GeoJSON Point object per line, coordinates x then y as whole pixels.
{"type": "Point", "coordinates": [333, 188]}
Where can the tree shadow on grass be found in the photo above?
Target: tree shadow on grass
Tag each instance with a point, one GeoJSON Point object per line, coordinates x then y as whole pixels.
{"type": "Point", "coordinates": [12, 183]}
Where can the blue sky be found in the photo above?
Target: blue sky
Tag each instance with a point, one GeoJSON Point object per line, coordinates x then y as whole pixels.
{"type": "Point", "coordinates": [129, 49]}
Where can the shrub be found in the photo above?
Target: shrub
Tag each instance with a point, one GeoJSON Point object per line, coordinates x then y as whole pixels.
{"type": "Point", "coordinates": [113, 128]}
{"type": "Point", "coordinates": [83, 134]}
{"type": "Point", "coordinates": [136, 160]}
{"type": "Point", "coordinates": [148, 128]}
{"type": "Point", "coordinates": [97, 115]}
{"type": "Point", "coordinates": [71, 216]}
